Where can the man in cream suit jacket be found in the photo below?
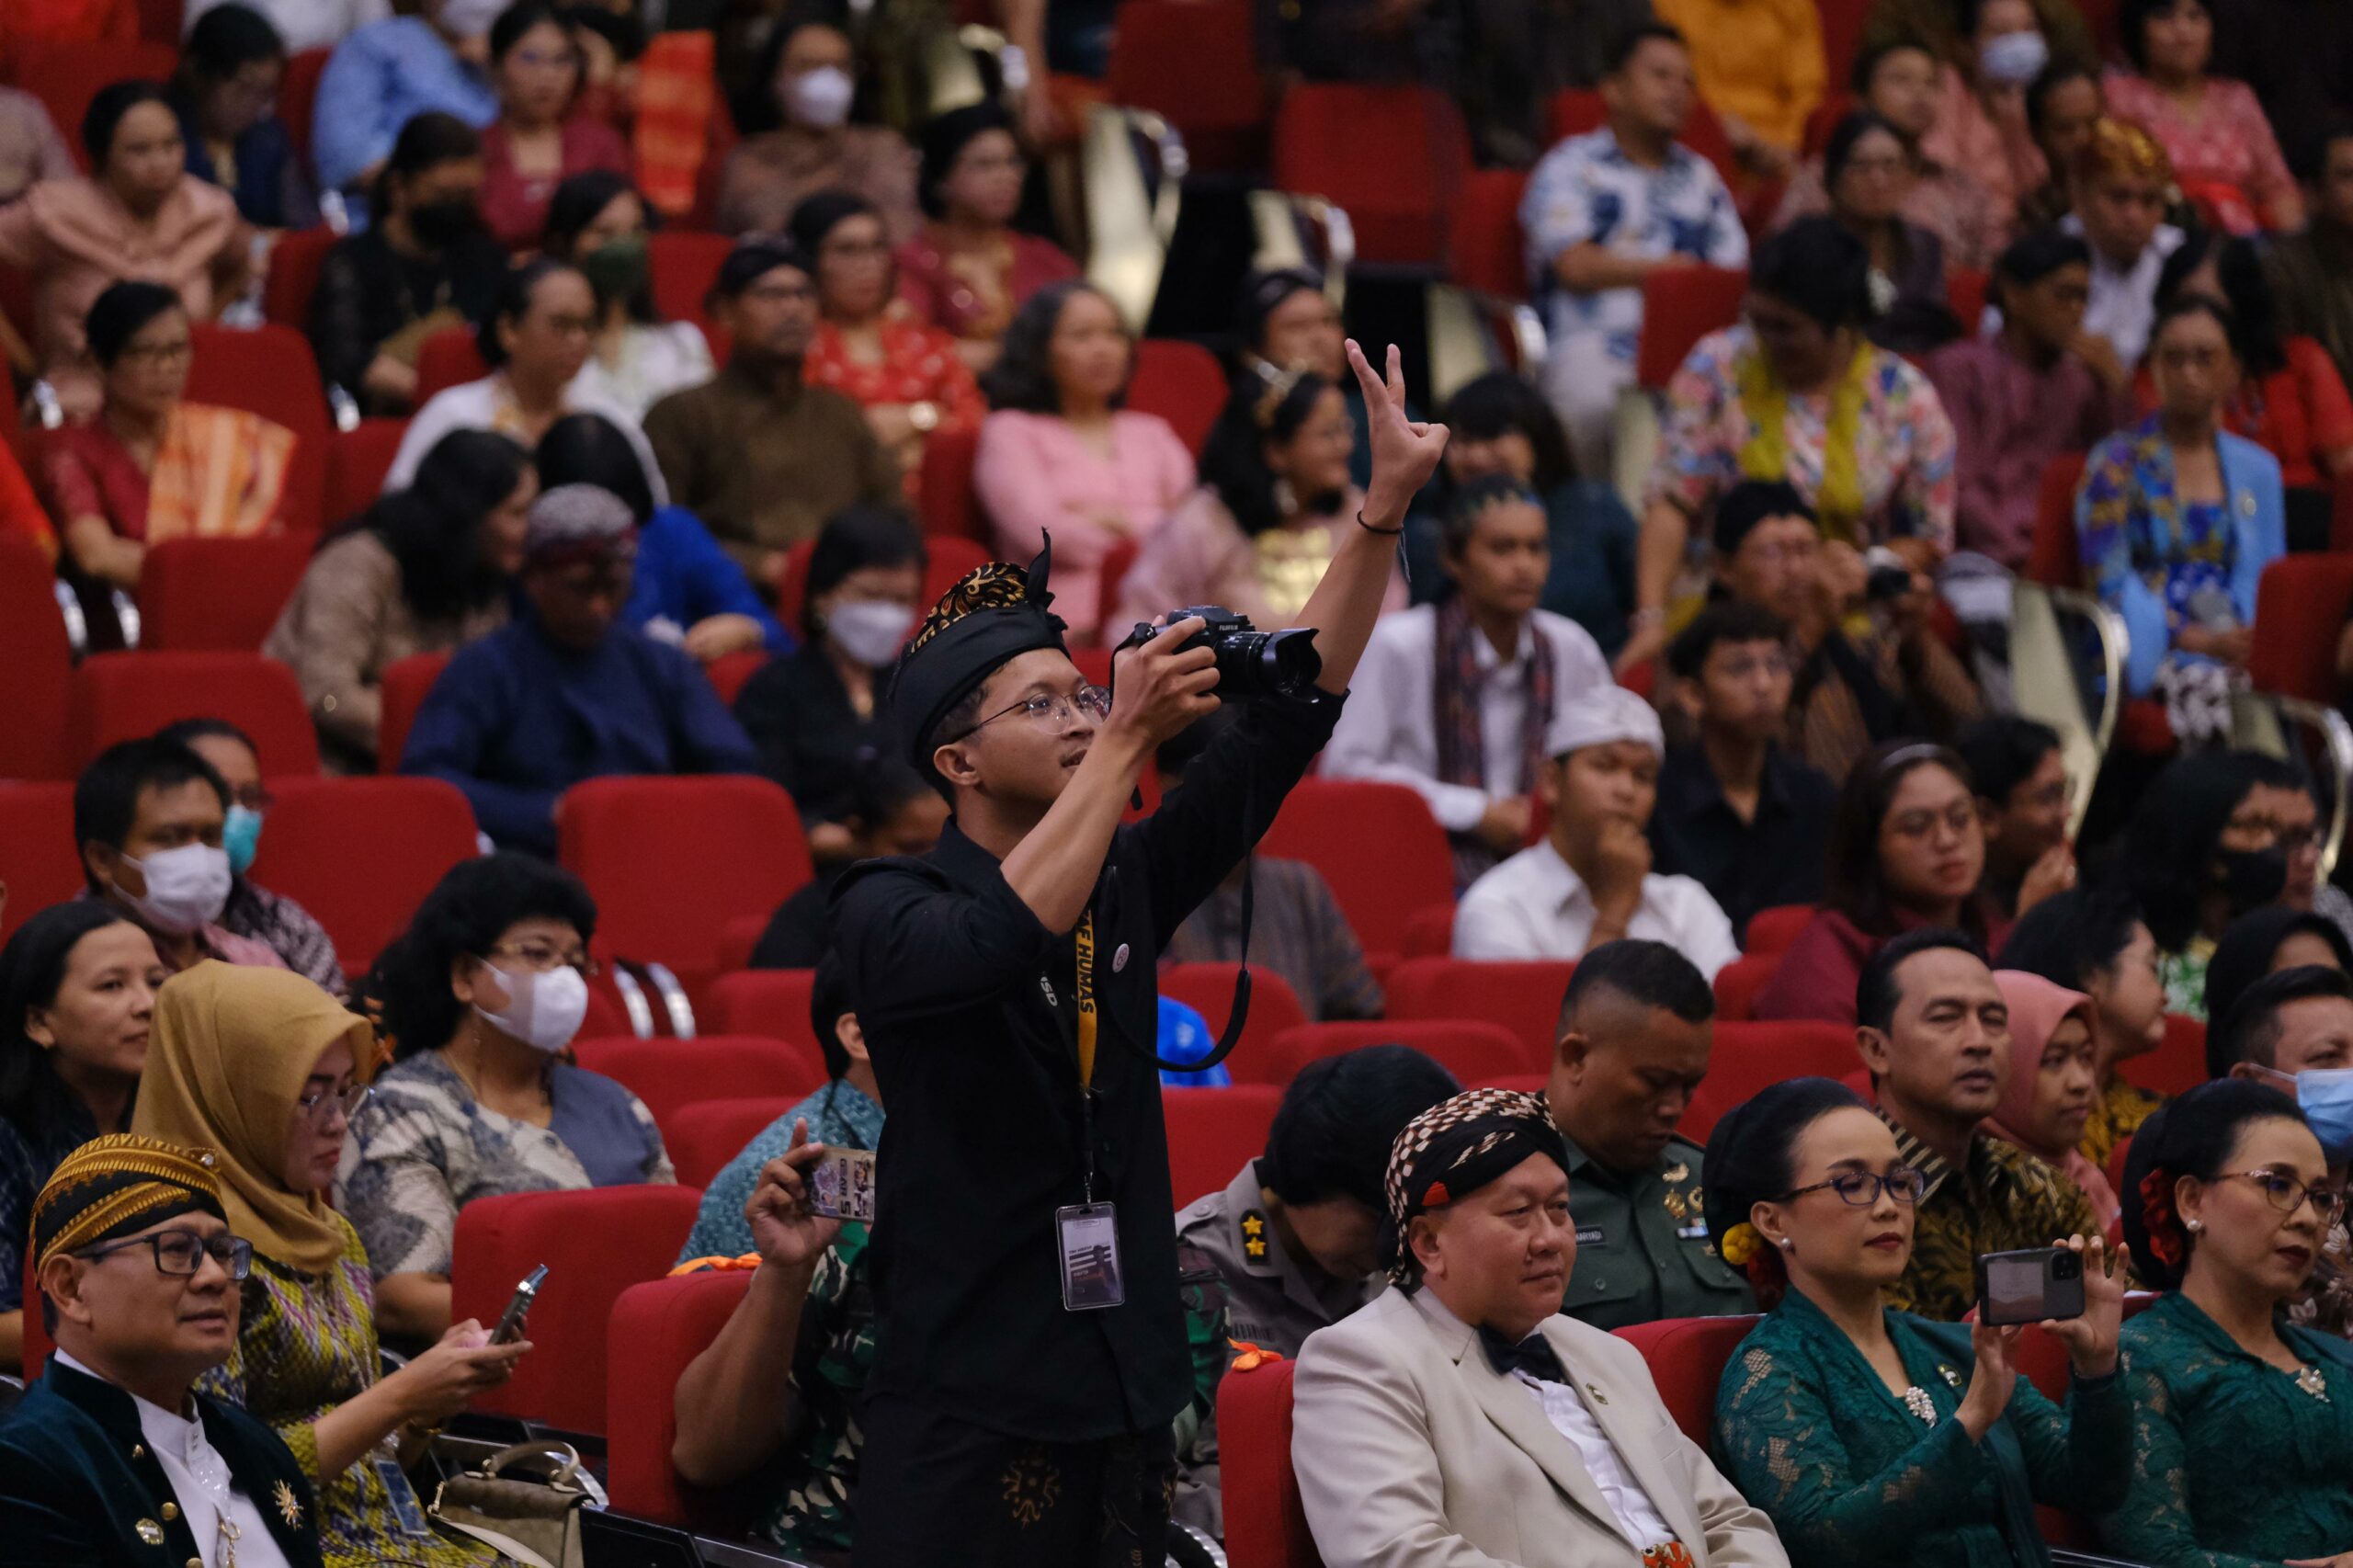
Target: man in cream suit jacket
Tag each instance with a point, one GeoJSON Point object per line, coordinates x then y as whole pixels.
{"type": "Point", "coordinates": [1460, 1421]}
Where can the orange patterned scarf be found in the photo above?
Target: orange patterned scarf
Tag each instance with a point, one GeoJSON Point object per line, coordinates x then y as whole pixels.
{"type": "Point", "coordinates": [221, 473]}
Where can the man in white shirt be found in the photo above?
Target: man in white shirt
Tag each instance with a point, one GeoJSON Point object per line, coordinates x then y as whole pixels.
{"type": "Point", "coordinates": [1590, 881]}
{"type": "Point", "coordinates": [1460, 1421]}
{"type": "Point", "coordinates": [2122, 180]}
{"type": "Point", "coordinates": [1457, 697]}
{"type": "Point", "coordinates": [113, 1461]}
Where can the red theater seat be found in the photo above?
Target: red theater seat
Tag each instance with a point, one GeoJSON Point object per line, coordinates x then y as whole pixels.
{"type": "Point", "coordinates": [39, 859]}
{"type": "Point", "coordinates": [2175, 1067]}
{"type": "Point", "coordinates": [1525, 998]}
{"type": "Point", "coordinates": [1180, 381]}
{"type": "Point", "coordinates": [1328, 823]}
{"type": "Point", "coordinates": [1266, 1524]}
{"type": "Point", "coordinates": [2299, 610]}
{"type": "Point", "coordinates": [1197, 65]}
{"type": "Point", "coordinates": [945, 498]}
{"type": "Point", "coordinates": [122, 697]}
{"type": "Point", "coordinates": [728, 673]}
{"type": "Point", "coordinates": [2053, 558]}
{"type": "Point", "coordinates": [1208, 988]}
{"type": "Point", "coordinates": [1772, 930]}
{"type": "Point", "coordinates": [1471, 1051]}
{"type": "Point", "coordinates": [595, 1244]}
{"type": "Point", "coordinates": [66, 73]}
{"type": "Point", "coordinates": [298, 99]}
{"type": "Point", "coordinates": [1213, 1132]}
{"type": "Point", "coordinates": [1680, 306]}
{"type": "Point", "coordinates": [36, 668]}
{"type": "Point", "coordinates": [1429, 933]}
{"type": "Point", "coordinates": [772, 1002]}
{"type": "Point", "coordinates": [1394, 158]}
{"type": "Point", "coordinates": [1738, 982]}
{"type": "Point", "coordinates": [683, 264]}
{"type": "Point", "coordinates": [295, 262]}
{"type": "Point", "coordinates": [1484, 253]}
{"type": "Point", "coordinates": [670, 1074]}
{"type": "Point", "coordinates": [657, 1330]}
{"type": "Point", "coordinates": [360, 854]}
{"type": "Point", "coordinates": [1687, 1358]}
{"type": "Point", "coordinates": [405, 685]}
{"type": "Point", "coordinates": [357, 460]}
{"type": "Point", "coordinates": [670, 861]}
{"type": "Point", "coordinates": [448, 359]}
{"type": "Point", "coordinates": [1750, 1056]}
{"type": "Point", "coordinates": [270, 370]}
{"type": "Point", "coordinates": [221, 594]}
{"type": "Point", "coordinates": [704, 1136]}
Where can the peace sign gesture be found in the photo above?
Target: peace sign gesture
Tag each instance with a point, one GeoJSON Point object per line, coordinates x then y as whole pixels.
{"type": "Point", "coordinates": [1405, 451]}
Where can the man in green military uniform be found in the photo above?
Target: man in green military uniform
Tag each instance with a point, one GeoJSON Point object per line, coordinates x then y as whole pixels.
{"type": "Point", "coordinates": [1634, 1038]}
{"type": "Point", "coordinates": [1293, 1242]}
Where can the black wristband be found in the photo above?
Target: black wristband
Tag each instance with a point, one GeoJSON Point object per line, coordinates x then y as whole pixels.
{"type": "Point", "coordinates": [1389, 533]}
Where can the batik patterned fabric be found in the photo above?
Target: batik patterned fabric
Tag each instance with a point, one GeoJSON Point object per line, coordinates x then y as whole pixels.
{"type": "Point", "coordinates": [2003, 1199]}
{"type": "Point", "coordinates": [1457, 1147]}
{"type": "Point", "coordinates": [816, 1478]}
{"type": "Point", "coordinates": [2117, 1114]}
{"type": "Point", "coordinates": [305, 1345]}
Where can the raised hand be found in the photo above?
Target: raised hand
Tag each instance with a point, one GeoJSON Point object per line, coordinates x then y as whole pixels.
{"type": "Point", "coordinates": [786, 1231]}
{"type": "Point", "coordinates": [1993, 1380]}
{"type": "Point", "coordinates": [1405, 451]}
{"type": "Point", "coordinates": [2091, 1338]}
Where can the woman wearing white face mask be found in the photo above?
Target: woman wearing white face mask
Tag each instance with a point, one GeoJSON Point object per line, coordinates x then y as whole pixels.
{"type": "Point", "coordinates": [798, 138]}
{"type": "Point", "coordinates": [1981, 127]}
{"type": "Point", "coordinates": [476, 999]}
{"type": "Point", "coordinates": [813, 714]}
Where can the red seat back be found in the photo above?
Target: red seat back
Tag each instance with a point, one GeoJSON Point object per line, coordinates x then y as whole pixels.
{"type": "Point", "coordinates": [595, 1244]}
{"type": "Point", "coordinates": [1575, 111]}
{"type": "Point", "coordinates": [1180, 381]}
{"type": "Point", "coordinates": [728, 673]}
{"type": "Point", "coordinates": [1471, 1051]}
{"type": "Point", "coordinates": [298, 99]}
{"type": "Point", "coordinates": [360, 854]}
{"type": "Point", "coordinates": [39, 859]}
{"type": "Point", "coordinates": [670, 1074]}
{"type": "Point", "coordinates": [66, 73]}
{"type": "Point", "coordinates": [1328, 821]}
{"type": "Point", "coordinates": [219, 594]}
{"type": "Point", "coordinates": [1207, 989]}
{"type": "Point", "coordinates": [295, 262]}
{"type": "Point", "coordinates": [1265, 1523]}
{"type": "Point", "coordinates": [1213, 1132]}
{"type": "Point", "coordinates": [1749, 1057]}
{"type": "Point", "coordinates": [2300, 609]}
{"type": "Point", "coordinates": [406, 684]}
{"type": "Point", "coordinates": [946, 499]}
{"type": "Point", "coordinates": [122, 697]}
{"type": "Point", "coordinates": [1525, 998]}
{"type": "Point", "coordinates": [1687, 1358]}
{"type": "Point", "coordinates": [671, 861]}
{"type": "Point", "coordinates": [270, 370]}
{"type": "Point", "coordinates": [1484, 250]}
{"type": "Point", "coordinates": [448, 358]}
{"type": "Point", "coordinates": [1429, 933]}
{"type": "Point", "coordinates": [772, 1002]}
{"type": "Point", "coordinates": [683, 264]}
{"type": "Point", "coordinates": [1772, 930]}
{"type": "Point", "coordinates": [1738, 982]}
{"type": "Point", "coordinates": [357, 460]}
{"type": "Point", "coordinates": [1842, 36]}
{"type": "Point", "coordinates": [657, 1330]}
{"type": "Point", "coordinates": [1394, 158]}
{"type": "Point", "coordinates": [1196, 64]}
{"type": "Point", "coordinates": [1965, 294]}
{"type": "Point", "coordinates": [1680, 306]}
{"type": "Point", "coordinates": [705, 1135]}
{"type": "Point", "coordinates": [2053, 558]}
{"type": "Point", "coordinates": [2175, 1067]}
{"type": "Point", "coordinates": [36, 666]}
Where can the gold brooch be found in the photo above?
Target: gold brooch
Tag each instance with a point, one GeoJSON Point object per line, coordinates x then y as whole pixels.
{"type": "Point", "coordinates": [2313, 1382]}
{"type": "Point", "coordinates": [150, 1532]}
{"type": "Point", "coordinates": [290, 1507]}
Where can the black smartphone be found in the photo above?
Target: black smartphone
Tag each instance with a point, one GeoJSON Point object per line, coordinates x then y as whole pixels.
{"type": "Point", "coordinates": [2030, 1285]}
{"type": "Point", "coordinates": [518, 1307]}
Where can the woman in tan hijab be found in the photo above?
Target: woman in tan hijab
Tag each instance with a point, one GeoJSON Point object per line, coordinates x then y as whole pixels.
{"type": "Point", "coordinates": [266, 1069]}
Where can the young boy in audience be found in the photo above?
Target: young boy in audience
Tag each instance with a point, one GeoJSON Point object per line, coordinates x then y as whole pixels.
{"type": "Point", "coordinates": [1637, 1027]}
{"type": "Point", "coordinates": [1604, 210]}
{"type": "Point", "coordinates": [1454, 697]}
{"type": "Point", "coordinates": [149, 817]}
{"type": "Point", "coordinates": [1736, 812]}
{"type": "Point", "coordinates": [2023, 792]}
{"type": "Point", "coordinates": [1590, 881]}
{"type": "Point", "coordinates": [1936, 1034]}
{"type": "Point", "coordinates": [1292, 1243]}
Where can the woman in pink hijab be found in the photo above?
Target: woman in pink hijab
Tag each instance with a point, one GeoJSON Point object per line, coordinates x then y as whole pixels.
{"type": "Point", "coordinates": [2053, 1081]}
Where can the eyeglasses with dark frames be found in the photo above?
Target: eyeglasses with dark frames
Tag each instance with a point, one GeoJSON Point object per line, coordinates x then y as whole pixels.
{"type": "Point", "coordinates": [182, 1252]}
{"type": "Point", "coordinates": [1860, 1189]}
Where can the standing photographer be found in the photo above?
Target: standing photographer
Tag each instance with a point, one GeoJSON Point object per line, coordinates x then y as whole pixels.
{"type": "Point", "coordinates": [1031, 1352]}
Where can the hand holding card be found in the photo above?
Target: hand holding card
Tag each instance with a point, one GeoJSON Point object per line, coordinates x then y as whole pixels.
{"type": "Point", "coordinates": [785, 1229]}
{"type": "Point", "coordinates": [841, 1185]}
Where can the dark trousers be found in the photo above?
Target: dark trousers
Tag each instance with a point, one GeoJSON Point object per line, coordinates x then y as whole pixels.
{"type": "Point", "coordinates": [933, 1490]}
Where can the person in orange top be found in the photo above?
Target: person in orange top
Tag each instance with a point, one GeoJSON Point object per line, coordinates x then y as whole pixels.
{"type": "Point", "coordinates": [906, 375]}
{"type": "Point", "coordinates": [1760, 67]}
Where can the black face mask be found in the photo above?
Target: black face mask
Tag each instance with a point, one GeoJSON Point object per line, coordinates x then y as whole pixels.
{"type": "Point", "coordinates": [443, 223]}
{"type": "Point", "coordinates": [2251, 877]}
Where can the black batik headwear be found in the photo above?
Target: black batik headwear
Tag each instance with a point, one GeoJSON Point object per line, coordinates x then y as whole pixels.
{"type": "Point", "coordinates": [992, 614]}
{"type": "Point", "coordinates": [1452, 1150]}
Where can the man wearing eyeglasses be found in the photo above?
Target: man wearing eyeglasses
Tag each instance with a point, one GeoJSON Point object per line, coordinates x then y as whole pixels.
{"type": "Point", "coordinates": [1031, 1349]}
{"type": "Point", "coordinates": [112, 1459]}
{"type": "Point", "coordinates": [1934, 1031]}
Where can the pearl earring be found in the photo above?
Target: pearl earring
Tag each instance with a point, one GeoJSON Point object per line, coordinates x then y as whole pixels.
{"type": "Point", "coordinates": [2195, 1226]}
{"type": "Point", "coordinates": [1787, 1243]}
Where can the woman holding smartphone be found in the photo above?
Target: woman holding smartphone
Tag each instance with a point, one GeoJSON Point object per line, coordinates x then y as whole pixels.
{"type": "Point", "coordinates": [2243, 1422]}
{"type": "Point", "coordinates": [265, 1069]}
{"type": "Point", "coordinates": [1869, 1435]}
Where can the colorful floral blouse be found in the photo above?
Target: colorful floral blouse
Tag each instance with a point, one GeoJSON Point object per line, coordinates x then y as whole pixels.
{"type": "Point", "coordinates": [2228, 141]}
{"type": "Point", "coordinates": [919, 364]}
{"type": "Point", "coordinates": [2117, 1114]}
{"type": "Point", "coordinates": [2235, 1463]}
{"type": "Point", "coordinates": [305, 1345]}
{"type": "Point", "coordinates": [1903, 450]}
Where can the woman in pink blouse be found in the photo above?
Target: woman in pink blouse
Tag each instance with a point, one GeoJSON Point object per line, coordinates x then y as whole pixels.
{"type": "Point", "coordinates": [1981, 127]}
{"type": "Point", "coordinates": [2211, 128]}
{"type": "Point", "coordinates": [538, 141]}
{"type": "Point", "coordinates": [969, 269]}
{"type": "Point", "coordinates": [1060, 453]}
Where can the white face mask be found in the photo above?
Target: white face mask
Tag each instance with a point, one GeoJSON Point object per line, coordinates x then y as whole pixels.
{"type": "Point", "coordinates": [869, 630]}
{"type": "Point", "coordinates": [819, 98]}
{"type": "Point", "coordinates": [2013, 59]}
{"type": "Point", "coordinates": [544, 1011]}
{"type": "Point", "coordinates": [185, 888]}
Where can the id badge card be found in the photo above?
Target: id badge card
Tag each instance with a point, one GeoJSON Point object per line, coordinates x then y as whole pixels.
{"type": "Point", "coordinates": [1088, 1237]}
{"type": "Point", "coordinates": [841, 1185]}
{"type": "Point", "coordinates": [402, 1496]}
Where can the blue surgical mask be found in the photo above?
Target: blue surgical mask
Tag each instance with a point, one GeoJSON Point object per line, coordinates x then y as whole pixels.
{"type": "Point", "coordinates": [2325, 1096]}
{"type": "Point", "coordinates": [241, 836]}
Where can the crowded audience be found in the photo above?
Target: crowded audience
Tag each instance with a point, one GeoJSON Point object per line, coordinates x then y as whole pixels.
{"type": "Point", "coordinates": [968, 269]}
{"type": "Point", "coordinates": [597, 221]}
{"type": "Point", "coordinates": [539, 140]}
{"type": "Point", "coordinates": [230, 68]}
{"type": "Point", "coordinates": [2213, 128]}
{"type": "Point", "coordinates": [2094, 941]}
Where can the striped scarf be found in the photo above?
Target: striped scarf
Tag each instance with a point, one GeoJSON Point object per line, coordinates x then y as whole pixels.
{"type": "Point", "coordinates": [1462, 742]}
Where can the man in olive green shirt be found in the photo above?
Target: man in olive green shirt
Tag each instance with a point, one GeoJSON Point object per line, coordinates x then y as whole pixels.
{"type": "Point", "coordinates": [1635, 1032]}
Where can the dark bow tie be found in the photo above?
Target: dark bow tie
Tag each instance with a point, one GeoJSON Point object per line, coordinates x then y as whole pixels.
{"type": "Point", "coordinates": [1533, 1355]}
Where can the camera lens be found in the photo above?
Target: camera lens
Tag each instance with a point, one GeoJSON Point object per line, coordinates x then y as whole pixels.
{"type": "Point", "coordinates": [2067, 1266]}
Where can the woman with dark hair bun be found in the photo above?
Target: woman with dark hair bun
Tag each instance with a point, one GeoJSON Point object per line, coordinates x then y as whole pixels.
{"type": "Point", "coordinates": [1798, 393]}
{"type": "Point", "coordinates": [1873, 1436]}
{"type": "Point", "coordinates": [1258, 533]}
{"type": "Point", "coordinates": [970, 269]}
{"type": "Point", "coordinates": [2094, 941]}
{"type": "Point", "coordinates": [2242, 1421]}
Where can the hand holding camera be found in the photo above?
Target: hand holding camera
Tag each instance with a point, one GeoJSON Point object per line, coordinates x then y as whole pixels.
{"type": "Point", "coordinates": [2090, 1337]}
{"type": "Point", "coordinates": [1162, 680]}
